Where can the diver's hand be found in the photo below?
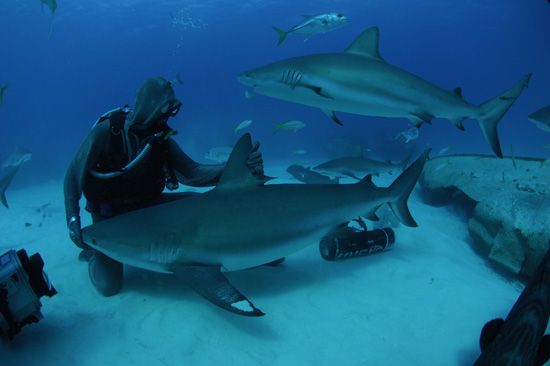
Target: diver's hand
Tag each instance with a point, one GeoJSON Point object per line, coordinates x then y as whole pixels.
{"type": "Point", "coordinates": [75, 232]}
{"type": "Point", "coordinates": [255, 161]}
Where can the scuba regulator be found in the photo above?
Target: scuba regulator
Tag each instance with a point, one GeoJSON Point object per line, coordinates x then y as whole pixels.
{"type": "Point", "coordinates": [22, 283]}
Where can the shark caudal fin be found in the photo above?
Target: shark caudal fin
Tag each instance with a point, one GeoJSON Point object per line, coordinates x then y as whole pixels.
{"type": "Point", "coordinates": [401, 189]}
{"type": "Point", "coordinates": [282, 35]}
{"type": "Point", "coordinates": [491, 112]}
{"type": "Point", "coordinates": [5, 182]}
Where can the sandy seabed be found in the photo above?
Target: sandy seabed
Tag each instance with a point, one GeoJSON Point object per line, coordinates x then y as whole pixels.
{"type": "Point", "coordinates": [423, 302]}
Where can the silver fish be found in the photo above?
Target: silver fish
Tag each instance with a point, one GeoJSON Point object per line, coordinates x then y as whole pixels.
{"type": "Point", "coordinates": [312, 25]}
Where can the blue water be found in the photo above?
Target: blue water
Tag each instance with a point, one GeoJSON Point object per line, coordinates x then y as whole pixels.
{"type": "Point", "coordinates": [99, 53]}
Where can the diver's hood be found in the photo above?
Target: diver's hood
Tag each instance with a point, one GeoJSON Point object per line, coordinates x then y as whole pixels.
{"type": "Point", "coordinates": [155, 100]}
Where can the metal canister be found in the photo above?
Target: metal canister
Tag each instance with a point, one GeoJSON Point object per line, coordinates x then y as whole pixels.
{"type": "Point", "coordinates": [356, 243]}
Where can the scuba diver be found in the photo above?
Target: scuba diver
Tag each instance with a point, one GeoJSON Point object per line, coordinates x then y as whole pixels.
{"type": "Point", "coordinates": [125, 163]}
{"type": "Point", "coordinates": [129, 158]}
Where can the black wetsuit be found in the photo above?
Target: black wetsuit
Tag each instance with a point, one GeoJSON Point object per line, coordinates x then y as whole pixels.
{"type": "Point", "coordinates": [103, 151]}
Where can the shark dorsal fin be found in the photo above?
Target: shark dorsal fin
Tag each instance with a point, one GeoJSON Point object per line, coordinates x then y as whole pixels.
{"type": "Point", "coordinates": [366, 44]}
{"type": "Point", "coordinates": [236, 174]}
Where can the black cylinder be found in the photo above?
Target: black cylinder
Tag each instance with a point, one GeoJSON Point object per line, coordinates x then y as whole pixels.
{"type": "Point", "coordinates": [356, 243]}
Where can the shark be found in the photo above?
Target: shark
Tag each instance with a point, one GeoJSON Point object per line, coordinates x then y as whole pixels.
{"type": "Point", "coordinates": [360, 81]}
{"type": "Point", "coordinates": [356, 165]}
{"type": "Point", "coordinates": [519, 339]}
{"type": "Point", "coordinates": [241, 223]}
{"type": "Point", "coordinates": [308, 176]}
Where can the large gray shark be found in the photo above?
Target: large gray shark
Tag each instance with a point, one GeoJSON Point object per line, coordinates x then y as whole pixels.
{"type": "Point", "coordinates": [241, 224]}
{"type": "Point", "coordinates": [519, 339]}
{"type": "Point", "coordinates": [360, 81]}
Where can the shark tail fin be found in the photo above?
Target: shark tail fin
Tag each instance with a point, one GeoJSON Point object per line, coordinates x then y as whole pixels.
{"type": "Point", "coordinates": [5, 182]}
{"type": "Point", "coordinates": [491, 112]}
{"type": "Point", "coordinates": [282, 35]}
{"type": "Point", "coordinates": [3, 198]}
{"type": "Point", "coordinates": [401, 189]}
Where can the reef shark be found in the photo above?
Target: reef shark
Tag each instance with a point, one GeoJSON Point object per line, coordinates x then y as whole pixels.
{"type": "Point", "coordinates": [241, 223]}
{"type": "Point", "coordinates": [357, 165]}
{"type": "Point", "coordinates": [520, 340]}
{"type": "Point", "coordinates": [360, 81]}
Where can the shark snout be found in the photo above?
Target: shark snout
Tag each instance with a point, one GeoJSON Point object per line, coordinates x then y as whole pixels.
{"type": "Point", "coordinates": [246, 78]}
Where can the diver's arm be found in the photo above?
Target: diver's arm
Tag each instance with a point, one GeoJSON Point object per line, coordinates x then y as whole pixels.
{"type": "Point", "coordinates": [191, 173]}
{"type": "Point", "coordinates": [87, 155]}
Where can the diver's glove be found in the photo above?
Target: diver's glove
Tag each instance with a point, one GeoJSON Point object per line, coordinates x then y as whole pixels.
{"type": "Point", "coordinates": [75, 232]}
{"type": "Point", "coordinates": [255, 161]}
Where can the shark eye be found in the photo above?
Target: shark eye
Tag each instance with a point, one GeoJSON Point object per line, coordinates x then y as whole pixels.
{"type": "Point", "coordinates": [339, 15]}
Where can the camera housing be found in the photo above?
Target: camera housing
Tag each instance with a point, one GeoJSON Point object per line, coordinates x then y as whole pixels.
{"type": "Point", "coordinates": [22, 283]}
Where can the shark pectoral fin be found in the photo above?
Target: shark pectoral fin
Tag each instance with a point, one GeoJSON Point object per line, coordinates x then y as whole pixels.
{"type": "Point", "coordinates": [424, 117]}
{"type": "Point", "coordinates": [316, 89]}
{"type": "Point", "coordinates": [417, 122]}
{"type": "Point", "coordinates": [458, 123]}
{"type": "Point", "coordinates": [350, 174]}
{"type": "Point", "coordinates": [489, 332]}
{"type": "Point", "coordinates": [332, 116]}
{"type": "Point", "coordinates": [366, 44]}
{"type": "Point", "coordinates": [211, 284]}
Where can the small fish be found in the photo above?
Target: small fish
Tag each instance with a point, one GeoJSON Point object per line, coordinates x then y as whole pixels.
{"type": "Point", "coordinates": [299, 152]}
{"type": "Point", "coordinates": [408, 135]}
{"type": "Point", "coordinates": [249, 95]}
{"type": "Point", "coordinates": [313, 25]}
{"type": "Point", "coordinates": [444, 150]}
{"type": "Point", "coordinates": [17, 157]}
{"type": "Point", "coordinates": [219, 154]}
{"type": "Point", "coordinates": [2, 91]}
{"type": "Point", "coordinates": [51, 4]}
{"type": "Point", "coordinates": [244, 124]}
{"type": "Point", "coordinates": [541, 118]}
{"type": "Point", "coordinates": [292, 125]}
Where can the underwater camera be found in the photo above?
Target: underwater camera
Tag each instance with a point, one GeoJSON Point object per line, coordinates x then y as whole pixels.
{"type": "Point", "coordinates": [22, 283]}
